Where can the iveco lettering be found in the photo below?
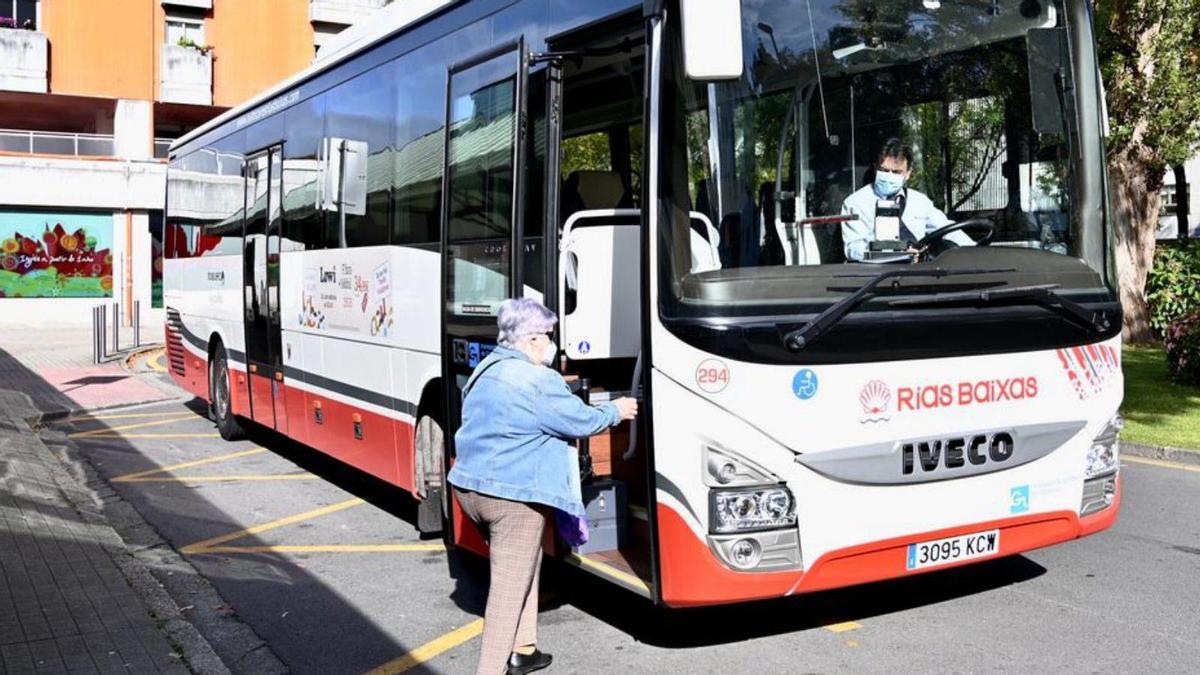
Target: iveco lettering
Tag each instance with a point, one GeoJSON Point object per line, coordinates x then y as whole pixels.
{"type": "Point", "coordinates": [853, 257]}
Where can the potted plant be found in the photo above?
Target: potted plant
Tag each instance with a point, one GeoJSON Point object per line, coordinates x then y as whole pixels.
{"type": "Point", "coordinates": [190, 43]}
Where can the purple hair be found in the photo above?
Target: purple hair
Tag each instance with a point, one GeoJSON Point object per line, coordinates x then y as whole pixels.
{"type": "Point", "coordinates": [521, 317]}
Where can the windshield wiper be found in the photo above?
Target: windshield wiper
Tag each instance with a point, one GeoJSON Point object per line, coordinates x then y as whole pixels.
{"type": "Point", "coordinates": [805, 335]}
{"type": "Point", "coordinates": [1042, 294]}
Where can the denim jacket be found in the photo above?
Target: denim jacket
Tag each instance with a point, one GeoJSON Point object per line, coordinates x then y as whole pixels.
{"type": "Point", "coordinates": [512, 444]}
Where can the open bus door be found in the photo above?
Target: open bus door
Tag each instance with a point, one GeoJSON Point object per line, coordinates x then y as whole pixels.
{"type": "Point", "coordinates": [482, 209]}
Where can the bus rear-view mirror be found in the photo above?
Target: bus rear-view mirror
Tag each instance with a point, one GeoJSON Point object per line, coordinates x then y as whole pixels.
{"type": "Point", "coordinates": [1047, 49]}
{"type": "Point", "coordinates": [712, 39]}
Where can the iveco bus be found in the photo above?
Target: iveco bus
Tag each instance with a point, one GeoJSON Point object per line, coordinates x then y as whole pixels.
{"type": "Point", "coordinates": [670, 177]}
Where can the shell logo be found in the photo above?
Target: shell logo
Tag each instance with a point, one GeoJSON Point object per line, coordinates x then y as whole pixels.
{"type": "Point", "coordinates": [875, 398]}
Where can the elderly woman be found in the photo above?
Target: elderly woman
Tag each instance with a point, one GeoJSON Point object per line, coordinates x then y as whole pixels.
{"type": "Point", "coordinates": [514, 466]}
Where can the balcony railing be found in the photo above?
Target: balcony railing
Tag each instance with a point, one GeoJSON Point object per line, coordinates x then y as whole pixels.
{"type": "Point", "coordinates": [186, 76]}
{"type": "Point", "coordinates": [53, 143]}
{"type": "Point", "coordinates": [344, 12]}
{"type": "Point", "coordinates": [23, 59]}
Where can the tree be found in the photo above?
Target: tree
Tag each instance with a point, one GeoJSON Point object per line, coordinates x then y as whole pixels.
{"type": "Point", "coordinates": [1150, 54]}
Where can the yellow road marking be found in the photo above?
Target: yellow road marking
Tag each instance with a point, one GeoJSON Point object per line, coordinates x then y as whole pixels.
{"type": "Point", "coordinates": [141, 425]}
{"type": "Point", "coordinates": [609, 570]}
{"type": "Point", "coordinates": [328, 548]}
{"type": "Point", "coordinates": [843, 626]}
{"type": "Point", "coordinates": [156, 364]}
{"type": "Point", "coordinates": [158, 436]}
{"type": "Point", "coordinates": [202, 546]}
{"type": "Point", "coordinates": [1161, 463]}
{"type": "Point", "coordinates": [223, 479]}
{"type": "Point", "coordinates": [130, 477]}
{"type": "Point", "coordinates": [119, 416]}
{"type": "Point", "coordinates": [431, 649]}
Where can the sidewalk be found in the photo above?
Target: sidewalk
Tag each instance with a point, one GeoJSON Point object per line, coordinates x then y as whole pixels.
{"type": "Point", "coordinates": [53, 365]}
{"type": "Point", "coordinates": [72, 596]}
{"type": "Point", "coordinates": [67, 596]}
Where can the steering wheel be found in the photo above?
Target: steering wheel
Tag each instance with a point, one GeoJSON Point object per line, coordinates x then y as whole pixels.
{"type": "Point", "coordinates": [974, 223]}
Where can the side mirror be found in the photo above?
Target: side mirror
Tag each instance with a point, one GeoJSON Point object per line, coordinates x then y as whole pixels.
{"type": "Point", "coordinates": [712, 39]}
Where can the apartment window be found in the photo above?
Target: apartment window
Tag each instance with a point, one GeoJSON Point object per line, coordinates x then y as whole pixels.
{"type": "Point", "coordinates": [184, 28]}
{"type": "Point", "coordinates": [22, 13]}
{"type": "Point", "coordinates": [1170, 200]}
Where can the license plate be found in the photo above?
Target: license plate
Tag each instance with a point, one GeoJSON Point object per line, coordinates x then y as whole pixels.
{"type": "Point", "coordinates": [953, 549]}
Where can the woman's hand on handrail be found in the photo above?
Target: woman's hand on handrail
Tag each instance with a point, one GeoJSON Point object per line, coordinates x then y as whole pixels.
{"type": "Point", "coordinates": [627, 407]}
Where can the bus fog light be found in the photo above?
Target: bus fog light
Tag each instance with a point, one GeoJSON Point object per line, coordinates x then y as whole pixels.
{"type": "Point", "coordinates": [769, 551]}
{"type": "Point", "coordinates": [750, 510]}
{"type": "Point", "coordinates": [1098, 494]}
{"type": "Point", "coordinates": [744, 553]}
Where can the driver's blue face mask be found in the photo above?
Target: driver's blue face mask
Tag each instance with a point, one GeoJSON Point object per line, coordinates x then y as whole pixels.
{"type": "Point", "coordinates": [888, 183]}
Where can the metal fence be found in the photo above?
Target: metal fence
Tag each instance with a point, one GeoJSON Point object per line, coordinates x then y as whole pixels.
{"type": "Point", "coordinates": [54, 143]}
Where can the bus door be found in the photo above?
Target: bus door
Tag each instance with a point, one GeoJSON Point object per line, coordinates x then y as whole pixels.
{"type": "Point", "coordinates": [482, 207]}
{"type": "Point", "coordinates": [261, 288]}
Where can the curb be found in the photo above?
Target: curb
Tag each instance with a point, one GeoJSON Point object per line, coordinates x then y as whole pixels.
{"type": "Point", "coordinates": [1179, 455]}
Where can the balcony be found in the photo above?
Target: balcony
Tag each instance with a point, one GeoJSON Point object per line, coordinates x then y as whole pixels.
{"type": "Point", "coordinates": [23, 59]}
{"type": "Point", "coordinates": [342, 12]}
{"type": "Point", "coordinates": [195, 4]}
{"type": "Point", "coordinates": [186, 76]}
{"type": "Point", "coordinates": [50, 143]}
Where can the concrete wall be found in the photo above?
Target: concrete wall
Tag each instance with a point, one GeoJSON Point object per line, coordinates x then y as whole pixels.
{"type": "Point", "coordinates": [23, 60]}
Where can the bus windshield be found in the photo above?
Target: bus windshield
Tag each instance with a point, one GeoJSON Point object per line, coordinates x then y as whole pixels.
{"type": "Point", "coordinates": [774, 179]}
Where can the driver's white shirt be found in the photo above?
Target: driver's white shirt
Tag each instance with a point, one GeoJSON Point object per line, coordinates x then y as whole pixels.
{"type": "Point", "coordinates": [920, 217]}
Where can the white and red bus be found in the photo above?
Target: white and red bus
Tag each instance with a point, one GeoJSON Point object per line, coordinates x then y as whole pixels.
{"type": "Point", "coordinates": [669, 176]}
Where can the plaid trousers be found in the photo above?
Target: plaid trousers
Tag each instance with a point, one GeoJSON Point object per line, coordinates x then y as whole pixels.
{"type": "Point", "coordinates": [514, 531]}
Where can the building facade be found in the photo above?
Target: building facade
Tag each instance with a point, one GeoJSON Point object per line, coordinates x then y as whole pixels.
{"type": "Point", "coordinates": [91, 95]}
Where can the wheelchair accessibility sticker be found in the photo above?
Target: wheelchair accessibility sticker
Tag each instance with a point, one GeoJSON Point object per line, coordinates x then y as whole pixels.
{"type": "Point", "coordinates": [805, 384]}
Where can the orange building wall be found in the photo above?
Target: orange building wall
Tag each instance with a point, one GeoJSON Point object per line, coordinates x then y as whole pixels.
{"type": "Point", "coordinates": [103, 48]}
{"type": "Point", "coordinates": [257, 43]}
{"type": "Point", "coordinates": [110, 48]}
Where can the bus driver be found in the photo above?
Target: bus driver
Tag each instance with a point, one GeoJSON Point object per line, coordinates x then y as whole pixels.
{"type": "Point", "coordinates": [910, 214]}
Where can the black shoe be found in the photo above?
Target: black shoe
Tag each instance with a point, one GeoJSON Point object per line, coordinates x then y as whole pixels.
{"type": "Point", "coordinates": [519, 664]}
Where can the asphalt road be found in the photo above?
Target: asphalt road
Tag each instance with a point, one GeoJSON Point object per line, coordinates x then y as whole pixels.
{"type": "Point", "coordinates": [354, 587]}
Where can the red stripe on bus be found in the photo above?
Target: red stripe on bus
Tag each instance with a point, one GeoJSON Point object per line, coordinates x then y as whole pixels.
{"type": "Point", "coordinates": [692, 575]}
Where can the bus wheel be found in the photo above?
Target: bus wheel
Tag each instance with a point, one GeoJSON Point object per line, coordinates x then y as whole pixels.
{"type": "Point", "coordinates": [219, 395]}
{"type": "Point", "coordinates": [431, 510]}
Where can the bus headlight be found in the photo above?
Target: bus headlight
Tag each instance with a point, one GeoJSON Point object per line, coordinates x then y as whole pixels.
{"type": "Point", "coordinates": [1104, 455]}
{"type": "Point", "coordinates": [751, 510]}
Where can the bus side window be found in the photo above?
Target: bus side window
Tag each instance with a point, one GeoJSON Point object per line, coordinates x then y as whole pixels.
{"type": "Point", "coordinates": [303, 218]}
{"type": "Point", "coordinates": [358, 111]}
{"type": "Point", "coordinates": [420, 143]}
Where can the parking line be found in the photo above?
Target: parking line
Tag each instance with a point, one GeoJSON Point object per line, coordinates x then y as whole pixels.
{"type": "Point", "coordinates": [131, 477]}
{"type": "Point", "coordinates": [843, 626]}
{"type": "Point", "coordinates": [431, 649]}
{"type": "Point", "coordinates": [119, 416]}
{"type": "Point", "coordinates": [158, 363]}
{"type": "Point", "coordinates": [223, 479]}
{"type": "Point", "coordinates": [203, 546]}
{"type": "Point", "coordinates": [179, 417]}
{"type": "Point", "coordinates": [1161, 463]}
{"type": "Point", "coordinates": [330, 548]}
{"type": "Point", "coordinates": [150, 436]}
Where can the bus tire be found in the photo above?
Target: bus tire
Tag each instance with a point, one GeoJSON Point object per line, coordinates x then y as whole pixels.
{"type": "Point", "coordinates": [219, 396]}
{"type": "Point", "coordinates": [431, 477]}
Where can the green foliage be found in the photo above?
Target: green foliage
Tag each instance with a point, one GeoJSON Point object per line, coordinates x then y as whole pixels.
{"type": "Point", "coordinates": [189, 42]}
{"type": "Point", "coordinates": [1173, 285]}
{"type": "Point", "coordinates": [586, 153]}
{"type": "Point", "coordinates": [1157, 410]}
{"type": "Point", "coordinates": [1150, 56]}
{"type": "Point", "coordinates": [1182, 341]}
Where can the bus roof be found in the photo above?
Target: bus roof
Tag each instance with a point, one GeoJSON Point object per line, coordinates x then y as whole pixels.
{"type": "Point", "coordinates": [381, 25]}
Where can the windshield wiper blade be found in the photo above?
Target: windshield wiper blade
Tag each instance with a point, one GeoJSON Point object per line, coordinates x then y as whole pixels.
{"type": "Point", "coordinates": [1042, 294]}
{"type": "Point", "coordinates": [805, 335]}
